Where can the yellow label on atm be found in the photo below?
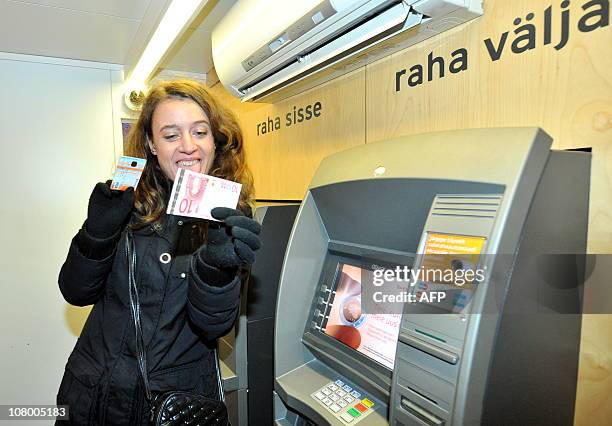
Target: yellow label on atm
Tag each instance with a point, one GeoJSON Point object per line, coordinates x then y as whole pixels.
{"type": "Point", "coordinates": [453, 244]}
{"type": "Point", "coordinates": [445, 254]}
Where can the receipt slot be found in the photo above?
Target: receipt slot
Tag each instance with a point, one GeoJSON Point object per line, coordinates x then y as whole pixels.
{"type": "Point", "coordinates": [498, 202]}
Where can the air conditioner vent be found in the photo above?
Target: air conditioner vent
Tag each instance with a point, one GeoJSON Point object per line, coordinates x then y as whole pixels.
{"type": "Point", "coordinates": [263, 48]}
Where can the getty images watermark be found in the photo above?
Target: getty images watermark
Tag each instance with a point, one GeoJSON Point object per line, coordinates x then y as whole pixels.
{"type": "Point", "coordinates": [540, 283]}
{"type": "Point", "coordinates": [433, 282]}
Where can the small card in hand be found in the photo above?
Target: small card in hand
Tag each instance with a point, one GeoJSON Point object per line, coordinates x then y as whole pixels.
{"type": "Point", "coordinates": [128, 172]}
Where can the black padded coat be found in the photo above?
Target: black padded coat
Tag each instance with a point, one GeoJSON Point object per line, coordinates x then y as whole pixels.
{"type": "Point", "coordinates": [181, 317]}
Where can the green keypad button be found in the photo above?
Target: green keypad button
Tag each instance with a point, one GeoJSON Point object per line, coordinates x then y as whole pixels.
{"type": "Point", "coordinates": [353, 412]}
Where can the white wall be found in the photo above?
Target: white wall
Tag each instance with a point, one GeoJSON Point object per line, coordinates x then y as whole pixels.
{"type": "Point", "coordinates": [58, 135]}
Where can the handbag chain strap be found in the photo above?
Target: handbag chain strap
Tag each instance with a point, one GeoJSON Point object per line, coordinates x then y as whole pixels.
{"type": "Point", "coordinates": [135, 310]}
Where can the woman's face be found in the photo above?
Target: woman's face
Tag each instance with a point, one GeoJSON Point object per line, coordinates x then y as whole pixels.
{"type": "Point", "coordinates": [182, 137]}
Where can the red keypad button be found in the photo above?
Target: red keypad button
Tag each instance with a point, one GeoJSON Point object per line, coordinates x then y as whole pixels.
{"type": "Point", "coordinates": [361, 407]}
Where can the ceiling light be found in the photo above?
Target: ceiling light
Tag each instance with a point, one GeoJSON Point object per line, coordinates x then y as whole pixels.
{"type": "Point", "coordinates": [177, 17]}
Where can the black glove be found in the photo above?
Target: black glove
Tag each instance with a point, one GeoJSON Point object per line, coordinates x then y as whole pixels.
{"type": "Point", "coordinates": [230, 244]}
{"type": "Point", "coordinates": [108, 210]}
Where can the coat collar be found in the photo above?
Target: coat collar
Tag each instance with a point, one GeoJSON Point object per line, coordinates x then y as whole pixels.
{"type": "Point", "coordinates": [167, 225]}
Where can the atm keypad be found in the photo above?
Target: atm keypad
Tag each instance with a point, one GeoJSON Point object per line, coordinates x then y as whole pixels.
{"type": "Point", "coordinates": [344, 402]}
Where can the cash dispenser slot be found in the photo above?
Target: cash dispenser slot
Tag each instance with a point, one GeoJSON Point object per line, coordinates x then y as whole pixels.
{"type": "Point", "coordinates": [444, 355]}
{"type": "Point", "coordinates": [421, 413]}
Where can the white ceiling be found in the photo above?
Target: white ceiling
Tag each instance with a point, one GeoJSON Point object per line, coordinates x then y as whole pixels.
{"type": "Point", "coordinates": [129, 9]}
{"type": "Point", "coordinates": [99, 30]}
{"type": "Point", "coordinates": [194, 53]}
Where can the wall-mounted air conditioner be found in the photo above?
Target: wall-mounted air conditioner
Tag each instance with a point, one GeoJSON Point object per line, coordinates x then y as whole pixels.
{"type": "Point", "coordinates": [271, 49]}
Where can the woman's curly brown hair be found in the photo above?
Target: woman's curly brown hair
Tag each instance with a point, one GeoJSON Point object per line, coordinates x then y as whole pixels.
{"type": "Point", "coordinates": [229, 163]}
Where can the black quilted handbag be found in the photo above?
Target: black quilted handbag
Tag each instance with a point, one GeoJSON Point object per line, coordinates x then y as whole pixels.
{"type": "Point", "coordinates": [172, 407]}
{"type": "Point", "coordinates": [186, 408]}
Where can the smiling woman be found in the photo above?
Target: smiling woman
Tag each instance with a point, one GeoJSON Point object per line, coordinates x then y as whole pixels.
{"type": "Point", "coordinates": [185, 279]}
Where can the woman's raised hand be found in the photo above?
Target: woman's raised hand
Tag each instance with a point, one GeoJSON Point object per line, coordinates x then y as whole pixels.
{"type": "Point", "coordinates": [108, 210]}
{"type": "Point", "coordinates": [231, 242]}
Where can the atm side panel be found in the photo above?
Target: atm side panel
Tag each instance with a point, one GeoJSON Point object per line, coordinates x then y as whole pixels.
{"type": "Point", "coordinates": [430, 350]}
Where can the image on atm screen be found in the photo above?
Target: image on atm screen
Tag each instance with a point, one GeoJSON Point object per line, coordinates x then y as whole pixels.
{"type": "Point", "coordinates": [373, 334]}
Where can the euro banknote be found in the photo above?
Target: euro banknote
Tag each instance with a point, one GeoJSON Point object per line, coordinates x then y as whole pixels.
{"type": "Point", "coordinates": [196, 194]}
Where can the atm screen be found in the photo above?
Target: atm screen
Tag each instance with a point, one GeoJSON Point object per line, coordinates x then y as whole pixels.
{"type": "Point", "coordinates": [373, 334]}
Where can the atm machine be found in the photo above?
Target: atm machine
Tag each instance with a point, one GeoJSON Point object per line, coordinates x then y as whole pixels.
{"type": "Point", "coordinates": [501, 350]}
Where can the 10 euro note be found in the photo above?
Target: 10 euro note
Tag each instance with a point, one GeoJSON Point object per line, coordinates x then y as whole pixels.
{"type": "Point", "coordinates": [196, 194]}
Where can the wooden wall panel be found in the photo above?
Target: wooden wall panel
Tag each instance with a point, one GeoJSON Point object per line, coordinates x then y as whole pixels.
{"type": "Point", "coordinates": [595, 373]}
{"type": "Point", "coordinates": [567, 92]}
{"type": "Point", "coordinates": [283, 161]}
